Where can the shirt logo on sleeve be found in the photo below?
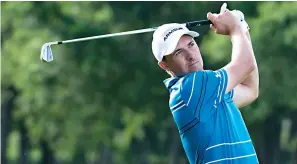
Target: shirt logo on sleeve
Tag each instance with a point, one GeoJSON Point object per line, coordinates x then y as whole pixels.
{"type": "Point", "coordinates": [218, 75]}
{"type": "Point", "coordinates": [215, 104]}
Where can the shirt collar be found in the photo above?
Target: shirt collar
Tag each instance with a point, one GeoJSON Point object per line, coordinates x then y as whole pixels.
{"type": "Point", "coordinates": [169, 82]}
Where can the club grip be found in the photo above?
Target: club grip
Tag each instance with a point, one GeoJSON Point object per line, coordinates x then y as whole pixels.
{"type": "Point", "coordinates": [198, 23]}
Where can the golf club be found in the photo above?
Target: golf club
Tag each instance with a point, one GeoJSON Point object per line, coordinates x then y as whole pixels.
{"type": "Point", "coordinates": [46, 52]}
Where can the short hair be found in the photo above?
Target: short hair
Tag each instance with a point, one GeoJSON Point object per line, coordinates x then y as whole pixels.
{"type": "Point", "coordinates": [168, 72]}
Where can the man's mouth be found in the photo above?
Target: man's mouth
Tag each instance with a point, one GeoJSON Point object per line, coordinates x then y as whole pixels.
{"type": "Point", "coordinates": [193, 63]}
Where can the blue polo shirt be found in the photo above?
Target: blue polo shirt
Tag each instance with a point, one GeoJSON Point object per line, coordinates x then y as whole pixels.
{"type": "Point", "coordinates": [210, 125]}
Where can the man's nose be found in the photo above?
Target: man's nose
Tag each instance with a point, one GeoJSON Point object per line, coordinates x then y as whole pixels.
{"type": "Point", "coordinates": [190, 56]}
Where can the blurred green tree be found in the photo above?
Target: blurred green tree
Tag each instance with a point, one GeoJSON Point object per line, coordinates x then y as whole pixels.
{"type": "Point", "coordinates": [103, 101]}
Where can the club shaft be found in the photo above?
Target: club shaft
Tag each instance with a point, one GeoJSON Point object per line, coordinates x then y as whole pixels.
{"type": "Point", "coordinates": [109, 35]}
{"type": "Point", "coordinates": [188, 25]}
{"type": "Point", "coordinates": [197, 23]}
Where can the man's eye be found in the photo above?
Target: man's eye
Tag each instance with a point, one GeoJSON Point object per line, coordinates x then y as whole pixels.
{"type": "Point", "coordinates": [178, 52]}
{"type": "Point", "coordinates": [191, 44]}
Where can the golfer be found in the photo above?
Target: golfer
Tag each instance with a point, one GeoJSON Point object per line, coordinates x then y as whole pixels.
{"type": "Point", "coordinates": [204, 103]}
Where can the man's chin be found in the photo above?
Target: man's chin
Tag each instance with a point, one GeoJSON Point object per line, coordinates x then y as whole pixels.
{"type": "Point", "coordinates": [191, 71]}
{"type": "Point", "coordinates": [196, 68]}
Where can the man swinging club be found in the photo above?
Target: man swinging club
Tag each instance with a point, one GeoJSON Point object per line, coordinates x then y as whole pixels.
{"type": "Point", "coordinates": [204, 103]}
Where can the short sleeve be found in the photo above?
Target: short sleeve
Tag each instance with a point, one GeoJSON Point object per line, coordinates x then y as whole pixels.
{"type": "Point", "coordinates": [204, 89]}
{"type": "Point", "coordinates": [229, 96]}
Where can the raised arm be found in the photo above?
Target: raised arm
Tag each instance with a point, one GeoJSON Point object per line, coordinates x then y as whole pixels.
{"type": "Point", "coordinates": [247, 91]}
{"type": "Point", "coordinates": [243, 59]}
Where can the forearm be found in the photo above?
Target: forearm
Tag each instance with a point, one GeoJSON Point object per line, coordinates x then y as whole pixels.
{"type": "Point", "coordinates": [242, 51]}
{"type": "Point", "coordinates": [252, 81]}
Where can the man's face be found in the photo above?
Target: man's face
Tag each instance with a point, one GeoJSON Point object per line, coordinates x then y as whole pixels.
{"type": "Point", "coordinates": [185, 58]}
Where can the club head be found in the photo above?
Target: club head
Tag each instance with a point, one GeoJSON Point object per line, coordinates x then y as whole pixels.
{"type": "Point", "coordinates": [46, 53]}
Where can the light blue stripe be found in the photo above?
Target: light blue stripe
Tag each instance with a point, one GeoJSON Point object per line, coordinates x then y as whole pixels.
{"type": "Point", "coordinates": [228, 150]}
{"type": "Point", "coordinates": [233, 158]}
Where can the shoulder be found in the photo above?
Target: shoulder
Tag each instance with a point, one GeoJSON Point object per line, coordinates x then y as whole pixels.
{"type": "Point", "coordinates": [188, 81]}
{"type": "Point", "coordinates": [206, 84]}
{"type": "Point", "coordinates": [201, 78]}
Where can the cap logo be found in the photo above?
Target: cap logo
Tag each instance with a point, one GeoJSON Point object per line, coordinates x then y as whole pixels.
{"type": "Point", "coordinates": [170, 32]}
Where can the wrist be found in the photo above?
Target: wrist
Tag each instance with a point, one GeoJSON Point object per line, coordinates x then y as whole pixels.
{"type": "Point", "coordinates": [236, 31]}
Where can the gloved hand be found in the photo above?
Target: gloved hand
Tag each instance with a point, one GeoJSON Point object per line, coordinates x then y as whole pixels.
{"type": "Point", "coordinates": [239, 15]}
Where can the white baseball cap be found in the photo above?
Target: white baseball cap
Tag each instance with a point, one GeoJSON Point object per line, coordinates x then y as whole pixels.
{"type": "Point", "coordinates": [166, 37]}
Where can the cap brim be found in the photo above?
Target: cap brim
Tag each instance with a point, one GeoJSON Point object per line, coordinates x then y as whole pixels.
{"type": "Point", "coordinates": [175, 39]}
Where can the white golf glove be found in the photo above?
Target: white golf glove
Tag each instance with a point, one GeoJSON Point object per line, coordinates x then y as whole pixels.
{"type": "Point", "coordinates": [239, 15]}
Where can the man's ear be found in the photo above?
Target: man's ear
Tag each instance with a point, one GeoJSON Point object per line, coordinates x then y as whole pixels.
{"type": "Point", "coordinates": [163, 65]}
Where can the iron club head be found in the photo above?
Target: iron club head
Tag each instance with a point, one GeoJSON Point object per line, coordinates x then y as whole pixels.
{"type": "Point", "coordinates": [46, 52]}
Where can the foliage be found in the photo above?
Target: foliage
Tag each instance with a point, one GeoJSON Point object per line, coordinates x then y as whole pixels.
{"type": "Point", "coordinates": [103, 101]}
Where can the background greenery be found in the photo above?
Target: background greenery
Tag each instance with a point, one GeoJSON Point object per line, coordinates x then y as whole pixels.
{"type": "Point", "coordinates": [104, 101]}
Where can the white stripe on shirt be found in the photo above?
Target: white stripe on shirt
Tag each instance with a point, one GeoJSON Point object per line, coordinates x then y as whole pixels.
{"type": "Point", "coordinates": [178, 108]}
{"type": "Point", "coordinates": [192, 88]}
{"type": "Point", "coordinates": [222, 77]}
{"type": "Point", "coordinates": [176, 105]}
{"type": "Point", "coordinates": [223, 159]}
{"type": "Point", "coordinates": [218, 73]}
{"type": "Point", "coordinates": [231, 143]}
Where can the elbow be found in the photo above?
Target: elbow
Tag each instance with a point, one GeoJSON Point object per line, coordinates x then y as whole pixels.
{"type": "Point", "coordinates": [255, 94]}
{"type": "Point", "coordinates": [251, 66]}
